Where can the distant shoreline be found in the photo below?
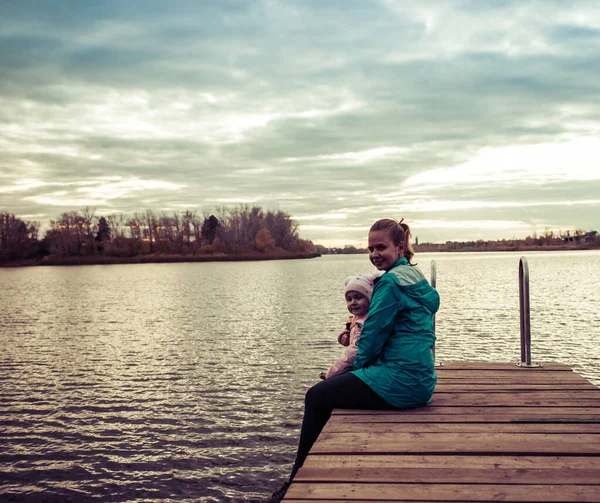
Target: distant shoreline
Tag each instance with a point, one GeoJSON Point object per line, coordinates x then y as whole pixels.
{"type": "Point", "coordinates": [160, 259]}
{"type": "Point", "coordinates": [445, 248]}
{"type": "Point", "coordinates": [281, 255]}
{"type": "Point", "coordinates": [514, 248]}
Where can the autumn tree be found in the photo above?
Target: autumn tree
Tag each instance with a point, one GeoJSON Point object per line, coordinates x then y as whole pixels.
{"type": "Point", "coordinates": [197, 224]}
{"type": "Point", "coordinates": [263, 241]}
{"type": "Point", "coordinates": [148, 224]}
{"type": "Point", "coordinates": [251, 222]}
{"type": "Point", "coordinates": [135, 228]}
{"type": "Point", "coordinates": [283, 229]}
{"type": "Point", "coordinates": [187, 224]}
{"type": "Point", "coordinates": [116, 225]}
{"type": "Point", "coordinates": [18, 239]}
{"type": "Point", "coordinates": [88, 218]}
{"type": "Point", "coordinates": [68, 235]}
{"type": "Point", "coordinates": [103, 234]}
{"type": "Point", "coordinates": [210, 228]}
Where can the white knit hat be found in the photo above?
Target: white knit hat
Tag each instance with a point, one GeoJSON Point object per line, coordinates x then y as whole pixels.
{"type": "Point", "coordinates": [361, 283]}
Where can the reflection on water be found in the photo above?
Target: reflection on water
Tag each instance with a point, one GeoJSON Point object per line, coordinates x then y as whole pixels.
{"type": "Point", "coordinates": [185, 381]}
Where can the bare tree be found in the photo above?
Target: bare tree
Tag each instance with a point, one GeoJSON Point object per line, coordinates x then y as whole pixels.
{"type": "Point", "coordinates": [116, 225]}
{"type": "Point", "coordinates": [135, 226]}
{"type": "Point", "coordinates": [149, 228]}
{"type": "Point", "coordinates": [88, 217]}
{"type": "Point", "coordinates": [18, 239]}
{"type": "Point", "coordinates": [66, 236]}
{"type": "Point", "coordinates": [187, 224]}
{"type": "Point", "coordinates": [197, 226]}
{"type": "Point", "coordinates": [282, 228]}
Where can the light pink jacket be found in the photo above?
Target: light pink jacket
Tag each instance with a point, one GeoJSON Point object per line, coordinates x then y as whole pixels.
{"type": "Point", "coordinates": [350, 339]}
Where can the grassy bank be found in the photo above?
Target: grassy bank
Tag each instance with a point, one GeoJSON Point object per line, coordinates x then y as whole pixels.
{"type": "Point", "coordinates": [451, 248]}
{"type": "Point", "coordinates": [161, 258]}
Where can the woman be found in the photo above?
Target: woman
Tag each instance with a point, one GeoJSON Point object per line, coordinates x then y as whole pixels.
{"type": "Point", "coordinates": [394, 366]}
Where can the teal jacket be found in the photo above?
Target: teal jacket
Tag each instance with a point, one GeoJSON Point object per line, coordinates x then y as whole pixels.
{"type": "Point", "coordinates": [395, 357]}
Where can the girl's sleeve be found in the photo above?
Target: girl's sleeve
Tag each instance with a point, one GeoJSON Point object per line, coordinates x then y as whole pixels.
{"type": "Point", "coordinates": [386, 302]}
{"type": "Point", "coordinates": [344, 337]}
{"type": "Point", "coordinates": [344, 364]}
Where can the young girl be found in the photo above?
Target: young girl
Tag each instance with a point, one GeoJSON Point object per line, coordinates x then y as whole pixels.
{"type": "Point", "coordinates": [357, 292]}
{"type": "Point", "coordinates": [394, 367]}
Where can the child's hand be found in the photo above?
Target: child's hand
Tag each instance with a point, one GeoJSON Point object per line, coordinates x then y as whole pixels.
{"type": "Point", "coordinates": [344, 337]}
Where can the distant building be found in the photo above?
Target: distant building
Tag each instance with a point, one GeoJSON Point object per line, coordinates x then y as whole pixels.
{"type": "Point", "coordinates": [588, 237]}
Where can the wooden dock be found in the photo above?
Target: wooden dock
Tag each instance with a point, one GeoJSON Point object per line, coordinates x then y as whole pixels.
{"type": "Point", "coordinates": [493, 432]}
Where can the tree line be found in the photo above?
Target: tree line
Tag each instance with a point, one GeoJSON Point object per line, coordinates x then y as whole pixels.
{"type": "Point", "coordinates": [242, 229]}
{"type": "Point", "coordinates": [548, 240]}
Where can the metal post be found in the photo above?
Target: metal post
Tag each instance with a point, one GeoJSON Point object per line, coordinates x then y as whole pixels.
{"type": "Point", "coordinates": [524, 312]}
{"type": "Point", "coordinates": [433, 284]}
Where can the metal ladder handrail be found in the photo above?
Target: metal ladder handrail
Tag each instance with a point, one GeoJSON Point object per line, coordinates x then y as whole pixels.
{"type": "Point", "coordinates": [524, 315]}
{"type": "Point", "coordinates": [433, 284]}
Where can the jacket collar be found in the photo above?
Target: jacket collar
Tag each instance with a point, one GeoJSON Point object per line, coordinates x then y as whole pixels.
{"type": "Point", "coordinates": [400, 261]}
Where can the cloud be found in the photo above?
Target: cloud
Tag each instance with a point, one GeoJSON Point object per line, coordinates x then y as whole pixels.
{"type": "Point", "coordinates": [99, 192]}
{"type": "Point", "coordinates": [572, 160]}
{"type": "Point", "coordinates": [363, 157]}
{"type": "Point", "coordinates": [336, 112]}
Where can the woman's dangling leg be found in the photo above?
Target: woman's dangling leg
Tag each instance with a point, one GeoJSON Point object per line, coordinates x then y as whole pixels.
{"type": "Point", "coordinates": [344, 391]}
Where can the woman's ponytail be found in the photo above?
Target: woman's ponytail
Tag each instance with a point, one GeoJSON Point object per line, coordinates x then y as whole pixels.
{"type": "Point", "coordinates": [409, 252]}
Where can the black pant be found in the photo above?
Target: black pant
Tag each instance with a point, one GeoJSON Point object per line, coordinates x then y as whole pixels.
{"type": "Point", "coordinates": [345, 391]}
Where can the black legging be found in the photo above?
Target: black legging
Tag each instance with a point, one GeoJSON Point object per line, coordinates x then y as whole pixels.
{"type": "Point", "coordinates": [345, 391]}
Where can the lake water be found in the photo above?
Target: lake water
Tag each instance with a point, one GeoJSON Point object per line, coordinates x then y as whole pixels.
{"type": "Point", "coordinates": [185, 382]}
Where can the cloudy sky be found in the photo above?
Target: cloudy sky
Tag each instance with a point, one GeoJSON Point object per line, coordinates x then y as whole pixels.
{"type": "Point", "coordinates": [469, 119]}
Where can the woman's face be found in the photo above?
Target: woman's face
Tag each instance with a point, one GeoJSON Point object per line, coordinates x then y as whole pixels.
{"type": "Point", "coordinates": [383, 253]}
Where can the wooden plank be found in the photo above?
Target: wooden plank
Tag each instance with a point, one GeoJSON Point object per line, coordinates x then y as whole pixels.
{"type": "Point", "coordinates": [513, 373]}
{"type": "Point", "coordinates": [500, 461]}
{"type": "Point", "coordinates": [452, 475]}
{"type": "Point", "coordinates": [337, 426]}
{"type": "Point", "coordinates": [518, 399]}
{"type": "Point", "coordinates": [519, 382]}
{"type": "Point", "coordinates": [438, 443]}
{"type": "Point", "coordinates": [508, 379]}
{"type": "Point", "coordinates": [434, 410]}
{"type": "Point", "coordinates": [531, 415]}
{"type": "Point", "coordinates": [489, 365]}
{"type": "Point", "coordinates": [521, 373]}
{"type": "Point", "coordinates": [546, 396]}
{"type": "Point", "coordinates": [445, 492]}
{"type": "Point", "coordinates": [363, 501]}
{"type": "Point", "coordinates": [503, 388]}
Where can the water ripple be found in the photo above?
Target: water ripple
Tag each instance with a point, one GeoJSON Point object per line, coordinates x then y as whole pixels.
{"type": "Point", "coordinates": [151, 383]}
